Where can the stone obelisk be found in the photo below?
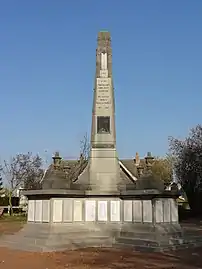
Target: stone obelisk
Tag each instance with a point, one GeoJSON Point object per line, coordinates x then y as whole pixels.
{"type": "Point", "coordinates": [104, 163]}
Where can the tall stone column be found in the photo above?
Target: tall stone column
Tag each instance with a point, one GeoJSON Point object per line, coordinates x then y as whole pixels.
{"type": "Point", "coordinates": [104, 164]}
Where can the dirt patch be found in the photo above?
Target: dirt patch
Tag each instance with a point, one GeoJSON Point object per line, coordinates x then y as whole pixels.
{"type": "Point", "coordinates": [100, 258]}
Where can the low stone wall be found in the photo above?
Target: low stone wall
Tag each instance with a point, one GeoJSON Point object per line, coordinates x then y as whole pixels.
{"type": "Point", "coordinates": [109, 210]}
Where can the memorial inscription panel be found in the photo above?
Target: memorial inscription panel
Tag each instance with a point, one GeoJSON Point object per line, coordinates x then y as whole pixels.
{"type": "Point", "coordinates": [159, 211]}
{"type": "Point", "coordinates": [31, 210]}
{"type": "Point", "coordinates": [166, 210]}
{"type": "Point", "coordinates": [77, 210]}
{"type": "Point", "coordinates": [137, 211]}
{"type": "Point", "coordinates": [57, 210]}
{"type": "Point", "coordinates": [103, 98]}
{"type": "Point", "coordinates": [38, 210]}
{"type": "Point", "coordinates": [102, 210]}
{"type": "Point", "coordinates": [90, 207]}
{"type": "Point", "coordinates": [147, 211]}
{"type": "Point", "coordinates": [46, 211]}
{"type": "Point", "coordinates": [67, 210]}
{"type": "Point", "coordinates": [128, 213]}
{"type": "Point", "coordinates": [174, 210]}
{"type": "Point", "coordinates": [115, 211]}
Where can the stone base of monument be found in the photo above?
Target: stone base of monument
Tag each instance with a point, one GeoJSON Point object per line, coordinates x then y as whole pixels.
{"type": "Point", "coordinates": [146, 220]}
{"type": "Point", "coordinates": [47, 238]}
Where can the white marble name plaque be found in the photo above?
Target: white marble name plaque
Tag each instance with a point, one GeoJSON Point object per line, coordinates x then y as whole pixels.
{"type": "Point", "coordinates": [115, 211]}
{"type": "Point", "coordinates": [77, 210]}
{"type": "Point", "coordinates": [38, 210]}
{"type": "Point", "coordinates": [147, 211]}
{"type": "Point", "coordinates": [159, 211]}
{"type": "Point", "coordinates": [57, 210]}
{"type": "Point", "coordinates": [166, 210]}
{"type": "Point", "coordinates": [128, 213]}
{"type": "Point", "coordinates": [31, 209]}
{"type": "Point", "coordinates": [174, 210]}
{"type": "Point", "coordinates": [102, 210]}
{"type": "Point", "coordinates": [137, 211]}
{"type": "Point", "coordinates": [46, 211]}
{"type": "Point", "coordinates": [67, 210]}
{"type": "Point", "coordinates": [90, 207]}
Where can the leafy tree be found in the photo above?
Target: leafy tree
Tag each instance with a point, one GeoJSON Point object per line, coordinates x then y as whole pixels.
{"type": "Point", "coordinates": [188, 165]}
{"type": "Point", "coordinates": [23, 170]}
{"type": "Point", "coordinates": [161, 168]}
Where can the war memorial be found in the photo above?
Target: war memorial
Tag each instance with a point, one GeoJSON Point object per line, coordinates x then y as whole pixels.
{"type": "Point", "coordinates": [109, 202]}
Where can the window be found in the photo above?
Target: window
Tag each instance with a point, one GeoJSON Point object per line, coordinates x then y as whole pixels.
{"type": "Point", "coordinates": [103, 125]}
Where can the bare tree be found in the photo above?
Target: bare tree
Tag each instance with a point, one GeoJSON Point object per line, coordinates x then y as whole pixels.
{"type": "Point", "coordinates": [23, 170]}
{"type": "Point", "coordinates": [1, 185]}
{"type": "Point", "coordinates": [75, 168]}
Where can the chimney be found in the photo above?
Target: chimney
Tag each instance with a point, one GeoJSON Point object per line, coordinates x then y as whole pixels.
{"type": "Point", "coordinates": [137, 159]}
{"type": "Point", "coordinates": [56, 159]}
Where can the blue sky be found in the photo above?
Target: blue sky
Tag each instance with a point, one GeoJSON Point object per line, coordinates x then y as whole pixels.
{"type": "Point", "coordinates": [47, 68]}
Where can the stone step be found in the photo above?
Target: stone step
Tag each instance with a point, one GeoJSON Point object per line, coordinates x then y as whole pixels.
{"type": "Point", "coordinates": [49, 245]}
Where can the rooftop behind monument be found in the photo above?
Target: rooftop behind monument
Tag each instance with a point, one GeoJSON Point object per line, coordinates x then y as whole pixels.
{"type": "Point", "coordinates": [101, 201]}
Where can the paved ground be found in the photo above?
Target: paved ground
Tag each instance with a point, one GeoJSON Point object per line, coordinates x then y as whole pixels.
{"type": "Point", "coordinates": [95, 258]}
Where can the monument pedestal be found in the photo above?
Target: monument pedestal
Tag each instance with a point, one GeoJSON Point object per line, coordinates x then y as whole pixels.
{"type": "Point", "coordinates": [60, 220]}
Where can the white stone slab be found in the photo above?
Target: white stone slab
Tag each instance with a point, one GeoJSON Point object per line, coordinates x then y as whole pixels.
{"type": "Point", "coordinates": [166, 210]}
{"type": "Point", "coordinates": [90, 207]}
{"type": "Point", "coordinates": [102, 210]}
{"type": "Point", "coordinates": [67, 210]}
{"type": "Point", "coordinates": [159, 211]}
{"type": "Point", "coordinates": [115, 210]}
{"type": "Point", "coordinates": [46, 211]}
{"type": "Point", "coordinates": [31, 210]}
{"type": "Point", "coordinates": [147, 211]}
{"type": "Point", "coordinates": [128, 210]}
{"type": "Point", "coordinates": [174, 210]}
{"type": "Point", "coordinates": [38, 210]}
{"type": "Point", "coordinates": [57, 210]}
{"type": "Point", "coordinates": [77, 210]}
{"type": "Point", "coordinates": [137, 211]}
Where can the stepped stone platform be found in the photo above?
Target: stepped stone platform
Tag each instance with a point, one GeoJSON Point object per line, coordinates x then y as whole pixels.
{"type": "Point", "coordinates": [48, 238]}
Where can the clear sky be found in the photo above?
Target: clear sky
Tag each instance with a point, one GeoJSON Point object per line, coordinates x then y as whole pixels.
{"type": "Point", "coordinates": [47, 69]}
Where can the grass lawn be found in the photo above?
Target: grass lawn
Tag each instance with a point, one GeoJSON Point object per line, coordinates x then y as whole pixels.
{"type": "Point", "coordinates": [11, 224]}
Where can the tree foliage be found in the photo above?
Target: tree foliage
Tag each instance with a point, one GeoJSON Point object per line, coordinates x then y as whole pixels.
{"type": "Point", "coordinates": [161, 169]}
{"type": "Point", "coordinates": [188, 164]}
